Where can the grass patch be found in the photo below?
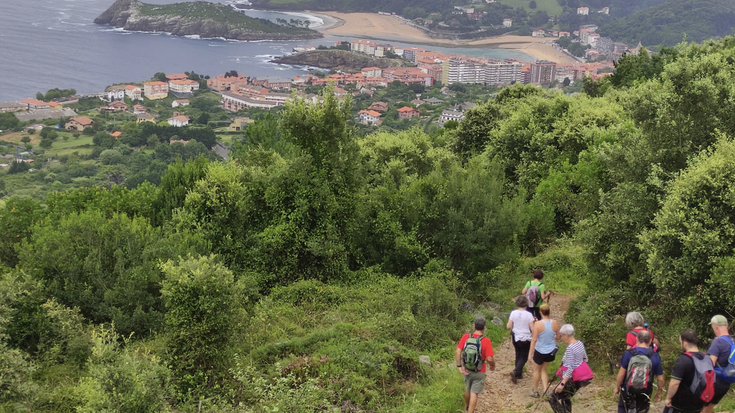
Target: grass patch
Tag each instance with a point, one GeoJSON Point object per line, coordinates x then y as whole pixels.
{"type": "Point", "coordinates": [564, 269]}
{"type": "Point", "coordinates": [551, 7]}
{"type": "Point", "coordinates": [443, 392]}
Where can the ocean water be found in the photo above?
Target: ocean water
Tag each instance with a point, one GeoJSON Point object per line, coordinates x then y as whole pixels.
{"type": "Point", "coordinates": [54, 43]}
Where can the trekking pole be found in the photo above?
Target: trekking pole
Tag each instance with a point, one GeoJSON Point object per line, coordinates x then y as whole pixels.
{"type": "Point", "coordinates": [543, 396]}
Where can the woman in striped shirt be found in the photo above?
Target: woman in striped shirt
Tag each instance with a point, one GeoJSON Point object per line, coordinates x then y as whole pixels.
{"type": "Point", "coordinates": [561, 398]}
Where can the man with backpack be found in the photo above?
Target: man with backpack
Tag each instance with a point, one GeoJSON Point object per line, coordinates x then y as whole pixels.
{"type": "Point", "coordinates": [535, 292]}
{"type": "Point", "coordinates": [722, 353]}
{"type": "Point", "coordinates": [639, 366]}
{"type": "Point", "coordinates": [474, 353]}
{"type": "Point", "coordinates": [692, 380]}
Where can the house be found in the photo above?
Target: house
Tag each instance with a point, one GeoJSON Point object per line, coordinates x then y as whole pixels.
{"type": "Point", "coordinates": [417, 102]}
{"type": "Point", "coordinates": [116, 134]}
{"type": "Point", "coordinates": [239, 124]}
{"type": "Point", "coordinates": [407, 112]}
{"type": "Point", "coordinates": [155, 90]}
{"type": "Point", "coordinates": [369, 117]}
{"type": "Point", "coordinates": [12, 107]}
{"type": "Point", "coordinates": [507, 22]}
{"type": "Point", "coordinates": [584, 11]}
{"type": "Point", "coordinates": [178, 121]}
{"type": "Point", "coordinates": [434, 101]}
{"type": "Point", "coordinates": [177, 76]}
{"type": "Point", "coordinates": [450, 114]}
{"type": "Point", "coordinates": [116, 106]}
{"type": "Point", "coordinates": [115, 94]}
{"type": "Point", "coordinates": [604, 10]}
{"type": "Point", "coordinates": [379, 107]}
{"type": "Point", "coordinates": [372, 71]}
{"type": "Point", "coordinates": [180, 102]}
{"type": "Point", "coordinates": [234, 102]}
{"type": "Point", "coordinates": [144, 117]}
{"type": "Point", "coordinates": [133, 92]}
{"type": "Point", "coordinates": [273, 83]}
{"type": "Point", "coordinates": [224, 83]}
{"type": "Point", "coordinates": [564, 34]}
{"type": "Point", "coordinates": [538, 33]}
{"type": "Point", "coordinates": [339, 92]}
{"type": "Point", "coordinates": [35, 104]}
{"type": "Point", "coordinates": [182, 87]}
{"type": "Point", "coordinates": [79, 123]}
{"type": "Point", "coordinates": [139, 109]}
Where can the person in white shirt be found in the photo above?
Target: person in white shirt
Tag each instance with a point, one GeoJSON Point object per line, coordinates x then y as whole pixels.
{"type": "Point", "coordinates": [520, 323]}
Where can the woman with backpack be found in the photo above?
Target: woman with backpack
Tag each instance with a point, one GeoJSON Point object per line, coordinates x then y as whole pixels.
{"type": "Point", "coordinates": [635, 323]}
{"type": "Point", "coordinates": [535, 292]}
{"type": "Point", "coordinates": [543, 348]}
{"type": "Point", "coordinates": [575, 372]}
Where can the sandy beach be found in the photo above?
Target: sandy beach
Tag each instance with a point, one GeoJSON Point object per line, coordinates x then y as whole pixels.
{"type": "Point", "coordinates": [383, 27]}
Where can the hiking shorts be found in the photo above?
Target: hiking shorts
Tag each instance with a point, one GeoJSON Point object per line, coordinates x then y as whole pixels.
{"type": "Point", "coordinates": [474, 382]}
{"type": "Point", "coordinates": [541, 358]}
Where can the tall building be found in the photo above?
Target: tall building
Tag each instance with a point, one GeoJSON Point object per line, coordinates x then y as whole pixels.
{"type": "Point", "coordinates": [542, 71]}
{"type": "Point", "coordinates": [487, 73]}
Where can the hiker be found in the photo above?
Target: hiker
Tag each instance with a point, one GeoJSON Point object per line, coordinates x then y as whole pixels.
{"type": "Point", "coordinates": [535, 291]}
{"type": "Point", "coordinates": [635, 323]}
{"type": "Point", "coordinates": [520, 322]}
{"type": "Point", "coordinates": [680, 397]}
{"type": "Point", "coordinates": [575, 372]}
{"type": "Point", "coordinates": [719, 351]}
{"type": "Point", "coordinates": [639, 365]}
{"type": "Point", "coordinates": [543, 348]}
{"type": "Point", "coordinates": [474, 353]}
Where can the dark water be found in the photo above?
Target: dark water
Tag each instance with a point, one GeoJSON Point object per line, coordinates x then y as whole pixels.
{"type": "Point", "coordinates": [54, 43]}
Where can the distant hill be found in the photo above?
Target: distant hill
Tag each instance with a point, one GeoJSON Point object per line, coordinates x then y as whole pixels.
{"type": "Point", "coordinates": [667, 23]}
{"type": "Point", "coordinates": [198, 18]}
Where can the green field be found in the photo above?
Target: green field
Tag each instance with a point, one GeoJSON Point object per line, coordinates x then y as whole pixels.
{"type": "Point", "coordinates": [551, 7]}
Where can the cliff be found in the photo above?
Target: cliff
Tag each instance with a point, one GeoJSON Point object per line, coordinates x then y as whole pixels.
{"type": "Point", "coordinates": [338, 60]}
{"type": "Point", "coordinates": [204, 19]}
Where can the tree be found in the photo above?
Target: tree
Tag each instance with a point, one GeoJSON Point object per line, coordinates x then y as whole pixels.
{"type": "Point", "coordinates": [25, 139]}
{"type": "Point", "coordinates": [46, 143]}
{"type": "Point", "coordinates": [204, 303]}
{"type": "Point", "coordinates": [160, 76]}
{"type": "Point", "coordinates": [690, 249]}
{"type": "Point", "coordinates": [532, 5]}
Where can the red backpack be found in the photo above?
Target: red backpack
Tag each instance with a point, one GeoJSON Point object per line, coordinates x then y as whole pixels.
{"type": "Point", "coordinates": [703, 382]}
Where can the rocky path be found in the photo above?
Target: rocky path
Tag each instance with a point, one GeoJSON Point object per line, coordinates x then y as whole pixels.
{"type": "Point", "coordinates": [502, 396]}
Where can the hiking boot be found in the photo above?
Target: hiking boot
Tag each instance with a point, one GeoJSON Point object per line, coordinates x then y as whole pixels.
{"type": "Point", "coordinates": [513, 378]}
{"type": "Point", "coordinates": [535, 394]}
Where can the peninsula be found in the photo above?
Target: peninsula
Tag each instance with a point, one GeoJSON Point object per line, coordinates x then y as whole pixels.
{"type": "Point", "coordinates": [338, 60]}
{"type": "Point", "coordinates": [204, 19]}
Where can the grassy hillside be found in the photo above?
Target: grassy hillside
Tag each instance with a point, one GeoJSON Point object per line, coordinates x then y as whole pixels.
{"type": "Point", "coordinates": [551, 7]}
{"type": "Point", "coordinates": [672, 21]}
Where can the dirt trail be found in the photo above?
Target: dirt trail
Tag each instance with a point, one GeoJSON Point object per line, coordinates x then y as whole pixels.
{"type": "Point", "coordinates": [501, 395]}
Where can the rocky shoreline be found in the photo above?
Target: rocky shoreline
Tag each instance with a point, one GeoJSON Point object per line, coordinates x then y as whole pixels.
{"type": "Point", "coordinates": [129, 15]}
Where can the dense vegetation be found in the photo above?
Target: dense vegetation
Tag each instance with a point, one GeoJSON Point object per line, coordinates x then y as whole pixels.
{"type": "Point", "coordinates": [311, 271]}
{"type": "Point", "coordinates": [673, 21]}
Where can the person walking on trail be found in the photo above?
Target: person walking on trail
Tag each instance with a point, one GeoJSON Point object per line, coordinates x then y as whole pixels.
{"type": "Point", "coordinates": [680, 398]}
{"type": "Point", "coordinates": [473, 356]}
{"type": "Point", "coordinates": [520, 322]}
{"type": "Point", "coordinates": [575, 358]}
{"type": "Point", "coordinates": [535, 292]}
{"type": "Point", "coordinates": [543, 348]}
{"type": "Point", "coordinates": [635, 323]}
{"type": "Point", "coordinates": [719, 351]}
{"type": "Point", "coordinates": [639, 366]}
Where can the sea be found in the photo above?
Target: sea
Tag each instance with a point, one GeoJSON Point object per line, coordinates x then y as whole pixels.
{"type": "Point", "coordinates": [47, 44]}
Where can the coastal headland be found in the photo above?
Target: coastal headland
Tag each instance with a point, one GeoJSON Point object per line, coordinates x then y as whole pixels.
{"type": "Point", "coordinates": [199, 18]}
{"type": "Point", "coordinates": [391, 28]}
